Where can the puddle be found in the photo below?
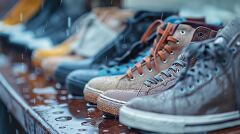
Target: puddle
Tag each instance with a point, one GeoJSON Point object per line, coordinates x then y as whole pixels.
{"type": "Point", "coordinates": [64, 118]}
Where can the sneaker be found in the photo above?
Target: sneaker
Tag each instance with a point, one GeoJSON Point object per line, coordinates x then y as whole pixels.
{"type": "Point", "coordinates": [116, 49]}
{"type": "Point", "coordinates": [173, 38]}
{"type": "Point", "coordinates": [111, 101]}
{"type": "Point", "coordinates": [206, 95]}
{"type": "Point", "coordinates": [132, 56]}
{"type": "Point", "coordinates": [5, 6]}
{"type": "Point", "coordinates": [47, 9]}
{"type": "Point", "coordinates": [20, 13]}
{"type": "Point", "coordinates": [85, 25]}
{"type": "Point", "coordinates": [97, 43]}
{"type": "Point", "coordinates": [55, 31]}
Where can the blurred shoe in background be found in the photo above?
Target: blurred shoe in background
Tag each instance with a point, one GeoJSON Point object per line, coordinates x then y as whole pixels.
{"type": "Point", "coordinates": [20, 13]}
{"type": "Point", "coordinates": [87, 42]}
{"type": "Point", "coordinates": [116, 51]}
{"type": "Point", "coordinates": [5, 6]}
{"type": "Point", "coordinates": [57, 28]}
{"type": "Point", "coordinates": [30, 26]}
{"type": "Point", "coordinates": [84, 34]}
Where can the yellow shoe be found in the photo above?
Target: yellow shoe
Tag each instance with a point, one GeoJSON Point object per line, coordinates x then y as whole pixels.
{"type": "Point", "coordinates": [22, 11]}
{"type": "Point", "coordinates": [60, 50]}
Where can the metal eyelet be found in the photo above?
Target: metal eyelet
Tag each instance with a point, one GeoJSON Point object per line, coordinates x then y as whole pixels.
{"type": "Point", "coordinates": [182, 32]}
{"type": "Point", "coordinates": [208, 76]}
{"type": "Point", "coordinates": [216, 69]}
{"type": "Point", "coordinates": [141, 74]}
{"type": "Point", "coordinates": [198, 81]}
{"type": "Point", "coordinates": [150, 70]}
{"type": "Point", "coordinates": [233, 50]}
{"type": "Point", "coordinates": [133, 78]}
{"type": "Point", "coordinates": [178, 42]}
{"type": "Point", "coordinates": [171, 53]}
{"type": "Point", "coordinates": [200, 34]}
{"type": "Point", "coordinates": [164, 61]}
{"type": "Point", "coordinates": [181, 89]}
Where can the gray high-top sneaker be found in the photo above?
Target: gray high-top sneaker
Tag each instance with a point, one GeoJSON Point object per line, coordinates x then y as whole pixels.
{"type": "Point", "coordinates": [206, 96]}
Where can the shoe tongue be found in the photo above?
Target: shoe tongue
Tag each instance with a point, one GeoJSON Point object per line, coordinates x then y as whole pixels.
{"type": "Point", "coordinates": [231, 29]}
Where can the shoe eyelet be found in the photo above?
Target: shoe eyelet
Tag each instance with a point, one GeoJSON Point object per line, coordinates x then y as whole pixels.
{"type": "Point", "coordinates": [216, 69]}
{"type": "Point", "coordinates": [141, 74]}
{"type": "Point", "coordinates": [182, 32]}
{"type": "Point", "coordinates": [171, 53]}
{"type": "Point", "coordinates": [208, 76]}
{"type": "Point", "coordinates": [150, 70]}
{"type": "Point", "coordinates": [178, 42]}
{"type": "Point", "coordinates": [164, 61]}
{"type": "Point", "coordinates": [181, 89]}
{"type": "Point", "coordinates": [131, 79]}
{"type": "Point", "coordinates": [224, 61]}
{"type": "Point", "coordinates": [200, 34]}
{"type": "Point", "coordinates": [233, 50]}
{"type": "Point", "coordinates": [190, 86]}
{"type": "Point", "coordinates": [198, 81]}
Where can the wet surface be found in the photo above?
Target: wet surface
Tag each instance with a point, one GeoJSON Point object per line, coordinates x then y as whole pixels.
{"type": "Point", "coordinates": [61, 112]}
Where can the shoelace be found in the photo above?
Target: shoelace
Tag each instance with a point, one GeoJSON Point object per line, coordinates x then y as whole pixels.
{"type": "Point", "coordinates": [167, 73]}
{"type": "Point", "coordinates": [159, 46]}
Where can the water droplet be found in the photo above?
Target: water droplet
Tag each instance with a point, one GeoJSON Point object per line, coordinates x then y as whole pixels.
{"type": "Point", "coordinates": [81, 130]}
{"type": "Point", "coordinates": [64, 118]}
{"type": "Point", "coordinates": [91, 105]}
{"type": "Point", "coordinates": [58, 86]}
{"type": "Point", "coordinates": [69, 22]}
{"type": "Point", "coordinates": [90, 110]}
{"type": "Point", "coordinates": [63, 98]}
{"type": "Point", "coordinates": [58, 112]}
{"type": "Point", "coordinates": [62, 127]}
{"type": "Point", "coordinates": [105, 131]}
{"type": "Point", "coordinates": [49, 101]}
{"type": "Point", "coordinates": [88, 123]}
{"type": "Point", "coordinates": [17, 132]}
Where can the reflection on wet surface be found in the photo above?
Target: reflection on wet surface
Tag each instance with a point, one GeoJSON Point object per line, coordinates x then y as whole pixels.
{"type": "Point", "coordinates": [62, 112]}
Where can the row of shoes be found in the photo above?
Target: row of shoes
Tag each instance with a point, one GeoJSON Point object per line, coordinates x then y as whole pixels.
{"type": "Point", "coordinates": [158, 71]}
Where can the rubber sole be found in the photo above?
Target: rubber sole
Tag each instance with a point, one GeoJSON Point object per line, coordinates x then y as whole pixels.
{"type": "Point", "coordinates": [91, 94]}
{"type": "Point", "coordinates": [163, 123]}
{"type": "Point", "coordinates": [109, 105]}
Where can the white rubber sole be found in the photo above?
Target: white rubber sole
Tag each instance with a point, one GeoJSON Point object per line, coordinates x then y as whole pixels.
{"type": "Point", "coordinates": [93, 90]}
{"type": "Point", "coordinates": [163, 123]}
{"type": "Point", "coordinates": [91, 94]}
